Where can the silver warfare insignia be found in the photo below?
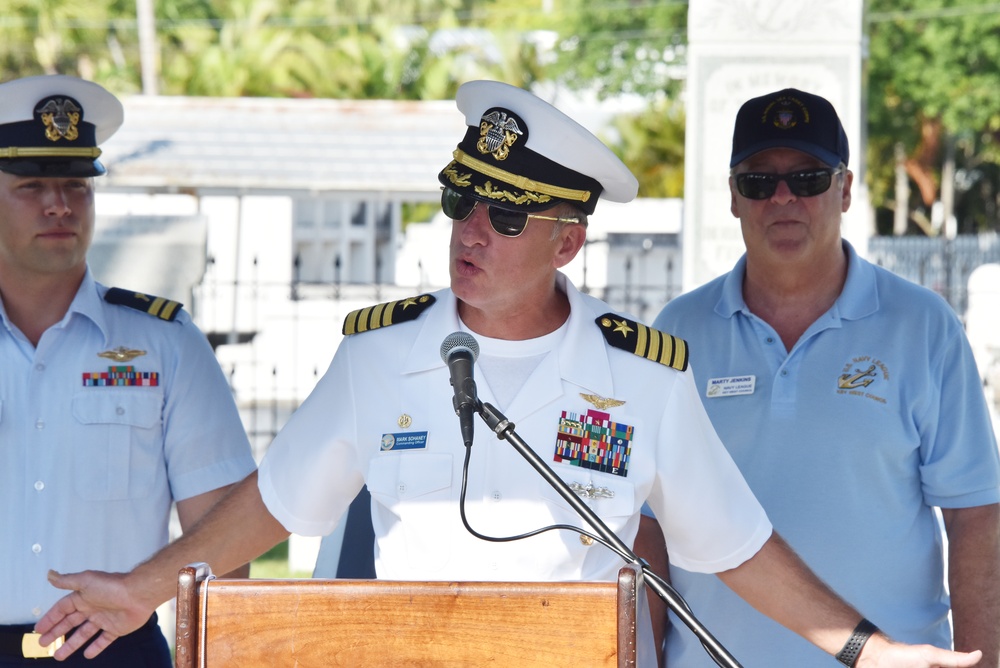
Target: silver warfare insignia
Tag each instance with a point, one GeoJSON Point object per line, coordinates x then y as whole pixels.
{"type": "Point", "coordinates": [589, 491]}
{"type": "Point", "coordinates": [60, 116]}
{"type": "Point", "coordinates": [497, 133]}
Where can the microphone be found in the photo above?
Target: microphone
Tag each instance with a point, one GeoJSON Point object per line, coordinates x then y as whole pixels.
{"type": "Point", "coordinates": [459, 351]}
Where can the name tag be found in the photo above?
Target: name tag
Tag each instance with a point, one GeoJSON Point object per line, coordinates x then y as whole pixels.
{"type": "Point", "coordinates": [416, 440]}
{"type": "Point", "coordinates": [730, 387]}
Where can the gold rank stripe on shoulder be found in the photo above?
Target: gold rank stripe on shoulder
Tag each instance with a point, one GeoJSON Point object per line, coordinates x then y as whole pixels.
{"type": "Point", "coordinates": [388, 313]}
{"type": "Point", "coordinates": [636, 338]}
{"type": "Point", "coordinates": [165, 309]}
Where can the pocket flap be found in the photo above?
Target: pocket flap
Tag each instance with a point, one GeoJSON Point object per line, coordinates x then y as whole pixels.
{"type": "Point", "coordinates": [114, 406]}
{"type": "Point", "coordinates": [409, 474]}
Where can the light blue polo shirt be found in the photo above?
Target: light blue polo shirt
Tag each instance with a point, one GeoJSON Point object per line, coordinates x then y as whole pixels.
{"type": "Point", "coordinates": [848, 440]}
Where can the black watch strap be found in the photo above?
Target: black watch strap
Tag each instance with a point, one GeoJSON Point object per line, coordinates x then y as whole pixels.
{"type": "Point", "coordinates": [862, 632]}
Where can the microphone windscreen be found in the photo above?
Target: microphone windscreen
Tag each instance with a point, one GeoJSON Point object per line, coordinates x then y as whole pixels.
{"type": "Point", "coordinates": [459, 340]}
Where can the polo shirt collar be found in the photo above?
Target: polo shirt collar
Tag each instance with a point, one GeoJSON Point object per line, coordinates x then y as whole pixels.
{"type": "Point", "coordinates": [858, 299]}
{"type": "Point", "coordinates": [731, 301]}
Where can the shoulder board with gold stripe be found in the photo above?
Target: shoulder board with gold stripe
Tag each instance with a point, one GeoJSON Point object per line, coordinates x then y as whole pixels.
{"type": "Point", "coordinates": [383, 315]}
{"type": "Point", "coordinates": [643, 341]}
{"type": "Point", "coordinates": [165, 309]}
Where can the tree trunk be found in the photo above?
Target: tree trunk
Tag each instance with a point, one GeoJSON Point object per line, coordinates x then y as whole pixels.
{"type": "Point", "coordinates": [902, 213]}
{"type": "Point", "coordinates": [922, 165]}
{"type": "Point", "coordinates": [949, 225]}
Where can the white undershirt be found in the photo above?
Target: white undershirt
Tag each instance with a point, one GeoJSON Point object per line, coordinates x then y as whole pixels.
{"type": "Point", "coordinates": [507, 365]}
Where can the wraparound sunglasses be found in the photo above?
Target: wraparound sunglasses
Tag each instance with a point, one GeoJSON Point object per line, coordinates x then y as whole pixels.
{"type": "Point", "coordinates": [803, 183]}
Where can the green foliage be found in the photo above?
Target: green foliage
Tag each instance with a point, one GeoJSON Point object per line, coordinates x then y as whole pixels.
{"type": "Point", "coordinates": [56, 36]}
{"type": "Point", "coordinates": [406, 49]}
{"type": "Point", "coordinates": [622, 46]}
{"type": "Point", "coordinates": [933, 76]}
{"type": "Point", "coordinates": [326, 48]}
{"type": "Point", "coordinates": [396, 49]}
{"type": "Point", "coordinates": [652, 145]}
{"type": "Point", "coordinates": [932, 71]}
{"type": "Point", "coordinates": [928, 61]}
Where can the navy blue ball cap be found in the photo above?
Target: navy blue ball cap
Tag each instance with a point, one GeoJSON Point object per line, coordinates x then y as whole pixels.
{"type": "Point", "coordinates": [793, 119]}
{"type": "Point", "coordinates": [521, 153]}
{"type": "Point", "coordinates": [53, 125]}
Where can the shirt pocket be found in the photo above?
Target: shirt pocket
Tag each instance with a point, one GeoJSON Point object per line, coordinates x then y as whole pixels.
{"type": "Point", "coordinates": [614, 500]}
{"type": "Point", "coordinates": [414, 511]}
{"type": "Point", "coordinates": [119, 448]}
{"type": "Point", "coordinates": [399, 479]}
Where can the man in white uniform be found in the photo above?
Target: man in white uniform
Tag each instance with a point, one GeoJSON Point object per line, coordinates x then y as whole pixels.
{"type": "Point", "coordinates": [112, 406]}
{"type": "Point", "coordinates": [608, 402]}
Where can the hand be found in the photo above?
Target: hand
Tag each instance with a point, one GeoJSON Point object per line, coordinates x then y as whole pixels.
{"type": "Point", "coordinates": [100, 605]}
{"type": "Point", "coordinates": [880, 652]}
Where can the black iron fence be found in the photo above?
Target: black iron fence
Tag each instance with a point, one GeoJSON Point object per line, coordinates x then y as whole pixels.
{"type": "Point", "coordinates": [943, 265]}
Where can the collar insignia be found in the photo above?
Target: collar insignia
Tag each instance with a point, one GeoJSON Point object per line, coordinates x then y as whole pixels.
{"type": "Point", "coordinates": [600, 402]}
{"type": "Point", "coordinates": [60, 116]}
{"type": "Point", "coordinates": [122, 354]}
{"type": "Point", "coordinates": [497, 133]}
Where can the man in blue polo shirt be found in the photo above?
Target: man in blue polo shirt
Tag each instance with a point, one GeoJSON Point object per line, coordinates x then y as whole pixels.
{"type": "Point", "coordinates": [849, 399]}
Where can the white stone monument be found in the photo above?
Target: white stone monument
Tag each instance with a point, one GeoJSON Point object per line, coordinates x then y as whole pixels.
{"type": "Point", "coordinates": [739, 49]}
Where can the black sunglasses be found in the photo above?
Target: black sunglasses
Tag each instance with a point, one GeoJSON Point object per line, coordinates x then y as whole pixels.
{"type": "Point", "coordinates": [503, 221]}
{"type": "Point", "coordinates": [804, 183]}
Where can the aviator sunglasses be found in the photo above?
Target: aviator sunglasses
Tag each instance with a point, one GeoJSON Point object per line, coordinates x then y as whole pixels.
{"type": "Point", "coordinates": [803, 183]}
{"type": "Point", "coordinates": [504, 222]}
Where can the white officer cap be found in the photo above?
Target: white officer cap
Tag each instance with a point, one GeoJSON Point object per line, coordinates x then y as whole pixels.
{"type": "Point", "coordinates": [520, 152]}
{"type": "Point", "coordinates": [52, 125]}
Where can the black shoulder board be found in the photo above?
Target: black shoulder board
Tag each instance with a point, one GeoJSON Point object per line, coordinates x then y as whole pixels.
{"type": "Point", "coordinates": [644, 341]}
{"type": "Point", "coordinates": [383, 315]}
{"type": "Point", "coordinates": [164, 309]}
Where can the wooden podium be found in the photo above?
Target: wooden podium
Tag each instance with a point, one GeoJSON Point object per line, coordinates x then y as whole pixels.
{"type": "Point", "coordinates": [360, 623]}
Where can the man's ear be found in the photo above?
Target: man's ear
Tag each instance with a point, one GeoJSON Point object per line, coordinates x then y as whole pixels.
{"type": "Point", "coordinates": [732, 198]}
{"type": "Point", "coordinates": [845, 194]}
{"type": "Point", "coordinates": [571, 239]}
